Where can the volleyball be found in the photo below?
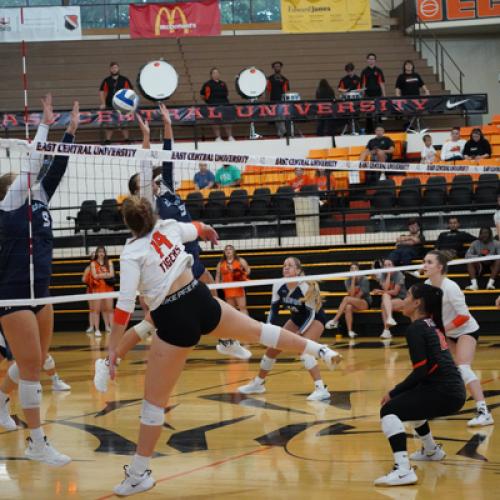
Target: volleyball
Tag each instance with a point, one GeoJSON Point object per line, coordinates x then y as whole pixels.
{"type": "Point", "coordinates": [125, 101]}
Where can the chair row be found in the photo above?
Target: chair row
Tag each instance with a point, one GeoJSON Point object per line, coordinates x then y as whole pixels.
{"type": "Point", "coordinates": [89, 218]}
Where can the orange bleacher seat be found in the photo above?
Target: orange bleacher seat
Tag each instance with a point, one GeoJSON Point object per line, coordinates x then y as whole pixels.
{"type": "Point", "coordinates": [318, 154]}
{"type": "Point", "coordinates": [489, 162]}
{"type": "Point", "coordinates": [252, 169]}
{"type": "Point", "coordinates": [495, 151]}
{"type": "Point", "coordinates": [187, 185]}
{"type": "Point", "coordinates": [338, 153]}
{"type": "Point", "coordinates": [495, 139]}
{"type": "Point", "coordinates": [489, 129]}
{"type": "Point", "coordinates": [466, 131]}
{"type": "Point", "coordinates": [356, 150]}
{"type": "Point", "coordinates": [495, 120]}
{"type": "Point", "coordinates": [397, 136]}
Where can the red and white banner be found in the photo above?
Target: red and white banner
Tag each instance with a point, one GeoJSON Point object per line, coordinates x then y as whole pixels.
{"type": "Point", "coordinates": [172, 20]}
{"type": "Point", "coordinates": [39, 24]}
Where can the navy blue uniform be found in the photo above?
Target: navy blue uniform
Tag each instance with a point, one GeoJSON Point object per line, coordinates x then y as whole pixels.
{"type": "Point", "coordinates": [170, 206]}
{"type": "Point", "coordinates": [302, 313]}
{"type": "Point", "coordinates": [14, 233]}
{"type": "Point", "coordinates": [4, 348]}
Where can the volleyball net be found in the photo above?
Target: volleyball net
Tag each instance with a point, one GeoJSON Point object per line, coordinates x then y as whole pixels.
{"type": "Point", "coordinates": [85, 201]}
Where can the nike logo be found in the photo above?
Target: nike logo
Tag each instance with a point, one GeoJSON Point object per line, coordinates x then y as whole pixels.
{"type": "Point", "coordinates": [451, 105]}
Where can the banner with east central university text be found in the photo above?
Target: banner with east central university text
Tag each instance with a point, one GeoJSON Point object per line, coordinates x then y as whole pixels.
{"type": "Point", "coordinates": [323, 16]}
{"type": "Point", "coordinates": [172, 20]}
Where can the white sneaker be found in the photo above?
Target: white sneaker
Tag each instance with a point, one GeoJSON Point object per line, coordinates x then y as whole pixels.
{"type": "Point", "coordinates": [219, 139]}
{"type": "Point", "coordinates": [60, 385]}
{"type": "Point", "coordinates": [386, 334]}
{"type": "Point", "coordinates": [330, 357]}
{"type": "Point", "coordinates": [332, 325]}
{"type": "Point", "coordinates": [45, 452]}
{"type": "Point", "coordinates": [101, 375]}
{"type": "Point", "coordinates": [319, 395]}
{"type": "Point", "coordinates": [108, 329]}
{"type": "Point", "coordinates": [352, 335]}
{"type": "Point", "coordinates": [429, 456]}
{"type": "Point", "coordinates": [133, 484]}
{"type": "Point", "coordinates": [253, 387]}
{"type": "Point", "coordinates": [98, 333]}
{"type": "Point", "coordinates": [90, 329]}
{"type": "Point", "coordinates": [472, 287]}
{"type": "Point", "coordinates": [397, 477]}
{"type": "Point", "coordinates": [233, 348]}
{"type": "Point", "coordinates": [6, 421]}
{"type": "Point", "coordinates": [391, 321]}
{"type": "Point", "coordinates": [231, 138]}
{"type": "Point", "coordinates": [481, 419]}
{"type": "Point", "coordinates": [490, 286]}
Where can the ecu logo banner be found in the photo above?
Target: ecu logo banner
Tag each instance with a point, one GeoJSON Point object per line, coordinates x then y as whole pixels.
{"type": "Point", "coordinates": [457, 10]}
{"type": "Point", "coordinates": [175, 20]}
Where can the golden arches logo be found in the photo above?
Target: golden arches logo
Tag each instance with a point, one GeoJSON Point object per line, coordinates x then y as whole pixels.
{"type": "Point", "coordinates": [170, 16]}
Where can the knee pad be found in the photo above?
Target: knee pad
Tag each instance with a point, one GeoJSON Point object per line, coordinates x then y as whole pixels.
{"type": "Point", "coordinates": [392, 425]}
{"type": "Point", "coordinates": [144, 329]}
{"type": "Point", "coordinates": [13, 373]}
{"type": "Point", "coordinates": [267, 363]}
{"type": "Point", "coordinates": [269, 335]}
{"type": "Point", "coordinates": [308, 361]}
{"type": "Point", "coordinates": [151, 414]}
{"type": "Point", "coordinates": [416, 424]}
{"type": "Point", "coordinates": [30, 394]}
{"type": "Point", "coordinates": [49, 363]}
{"type": "Point", "coordinates": [467, 374]}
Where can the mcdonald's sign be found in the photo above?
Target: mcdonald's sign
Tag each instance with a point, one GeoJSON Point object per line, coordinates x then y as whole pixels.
{"type": "Point", "coordinates": [174, 19]}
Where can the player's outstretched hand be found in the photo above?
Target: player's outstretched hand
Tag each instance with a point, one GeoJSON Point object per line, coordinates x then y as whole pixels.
{"type": "Point", "coordinates": [48, 110]}
{"type": "Point", "coordinates": [74, 119]}
{"type": "Point", "coordinates": [143, 125]}
{"type": "Point", "coordinates": [165, 113]}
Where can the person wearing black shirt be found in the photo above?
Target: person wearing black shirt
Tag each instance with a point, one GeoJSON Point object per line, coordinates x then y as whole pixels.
{"type": "Point", "coordinates": [380, 148]}
{"type": "Point", "coordinates": [350, 82]}
{"type": "Point", "coordinates": [433, 389]}
{"type": "Point", "coordinates": [477, 147]}
{"type": "Point", "coordinates": [109, 87]}
{"type": "Point", "coordinates": [277, 85]}
{"type": "Point", "coordinates": [454, 240]}
{"type": "Point", "coordinates": [326, 92]}
{"type": "Point", "coordinates": [409, 82]}
{"type": "Point", "coordinates": [373, 83]}
{"type": "Point", "coordinates": [215, 92]}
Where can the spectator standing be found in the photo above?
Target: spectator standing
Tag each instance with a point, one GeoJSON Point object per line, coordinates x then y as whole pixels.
{"type": "Point", "coordinates": [409, 82]}
{"type": "Point", "coordinates": [227, 176]}
{"type": "Point", "coordinates": [453, 149]}
{"type": "Point", "coordinates": [428, 154]}
{"type": "Point", "coordinates": [350, 81]}
{"type": "Point", "coordinates": [204, 179]}
{"type": "Point", "coordinates": [373, 83]}
{"type": "Point", "coordinates": [483, 246]}
{"type": "Point", "coordinates": [453, 241]}
{"type": "Point", "coordinates": [87, 280]}
{"type": "Point", "coordinates": [325, 92]}
{"type": "Point", "coordinates": [215, 91]}
{"type": "Point", "coordinates": [408, 246]}
{"type": "Point", "coordinates": [109, 87]}
{"type": "Point", "coordinates": [277, 85]}
{"type": "Point", "coordinates": [477, 147]}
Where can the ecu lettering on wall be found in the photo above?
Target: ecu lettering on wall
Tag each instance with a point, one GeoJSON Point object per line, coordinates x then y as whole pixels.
{"type": "Point", "coordinates": [457, 10]}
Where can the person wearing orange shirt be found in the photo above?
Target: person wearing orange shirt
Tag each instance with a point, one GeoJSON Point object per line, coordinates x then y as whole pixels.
{"type": "Point", "coordinates": [300, 179]}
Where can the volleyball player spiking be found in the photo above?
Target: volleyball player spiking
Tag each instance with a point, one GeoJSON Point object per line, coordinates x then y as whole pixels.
{"type": "Point", "coordinates": [433, 389]}
{"type": "Point", "coordinates": [461, 330]}
{"type": "Point", "coordinates": [154, 262]}
{"type": "Point", "coordinates": [29, 329]}
{"type": "Point", "coordinates": [307, 319]}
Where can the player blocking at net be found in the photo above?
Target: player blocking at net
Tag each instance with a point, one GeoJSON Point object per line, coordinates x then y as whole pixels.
{"type": "Point", "coordinates": [155, 263]}
{"type": "Point", "coordinates": [25, 223]}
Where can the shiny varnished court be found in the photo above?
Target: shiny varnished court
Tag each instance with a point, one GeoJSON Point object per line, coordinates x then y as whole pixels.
{"type": "Point", "coordinates": [218, 444]}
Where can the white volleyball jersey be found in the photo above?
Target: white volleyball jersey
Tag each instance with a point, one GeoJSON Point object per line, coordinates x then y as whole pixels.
{"type": "Point", "coordinates": [152, 263]}
{"type": "Point", "coordinates": [454, 305]}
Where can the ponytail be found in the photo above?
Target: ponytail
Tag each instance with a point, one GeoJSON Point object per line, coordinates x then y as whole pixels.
{"type": "Point", "coordinates": [313, 293]}
{"type": "Point", "coordinates": [432, 302]}
{"type": "Point", "coordinates": [138, 216]}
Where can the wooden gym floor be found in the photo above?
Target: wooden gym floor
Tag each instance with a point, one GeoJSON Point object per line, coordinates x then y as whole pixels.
{"type": "Point", "coordinates": [217, 444]}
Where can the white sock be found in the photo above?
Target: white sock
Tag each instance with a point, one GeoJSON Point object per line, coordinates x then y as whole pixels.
{"type": "Point", "coordinates": [259, 380]}
{"type": "Point", "coordinates": [319, 384]}
{"type": "Point", "coordinates": [312, 348]}
{"type": "Point", "coordinates": [481, 405]}
{"type": "Point", "coordinates": [37, 435]}
{"type": "Point", "coordinates": [139, 465]}
{"type": "Point", "coordinates": [491, 282]}
{"type": "Point", "coordinates": [473, 282]}
{"type": "Point", "coordinates": [3, 398]}
{"type": "Point", "coordinates": [401, 460]}
{"type": "Point", "coordinates": [428, 442]}
{"type": "Point", "coordinates": [54, 377]}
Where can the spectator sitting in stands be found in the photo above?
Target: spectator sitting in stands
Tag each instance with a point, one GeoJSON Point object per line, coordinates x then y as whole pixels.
{"type": "Point", "coordinates": [477, 147]}
{"type": "Point", "coordinates": [350, 82]}
{"type": "Point", "coordinates": [325, 91]}
{"type": "Point", "coordinates": [204, 179]}
{"type": "Point", "coordinates": [496, 217]}
{"type": "Point", "coordinates": [380, 148]}
{"type": "Point", "coordinates": [228, 176]}
{"type": "Point", "coordinates": [408, 246]}
{"type": "Point", "coordinates": [409, 82]}
{"type": "Point", "coordinates": [428, 154]}
{"type": "Point", "coordinates": [321, 180]}
{"type": "Point", "coordinates": [214, 91]}
{"type": "Point", "coordinates": [454, 240]}
{"type": "Point", "coordinates": [453, 149]}
{"type": "Point", "coordinates": [300, 179]}
{"type": "Point", "coordinates": [484, 245]}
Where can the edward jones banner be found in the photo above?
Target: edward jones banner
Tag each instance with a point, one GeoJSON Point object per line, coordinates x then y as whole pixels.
{"type": "Point", "coordinates": [457, 10]}
{"type": "Point", "coordinates": [39, 24]}
{"type": "Point", "coordinates": [322, 16]}
{"type": "Point", "coordinates": [172, 20]}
